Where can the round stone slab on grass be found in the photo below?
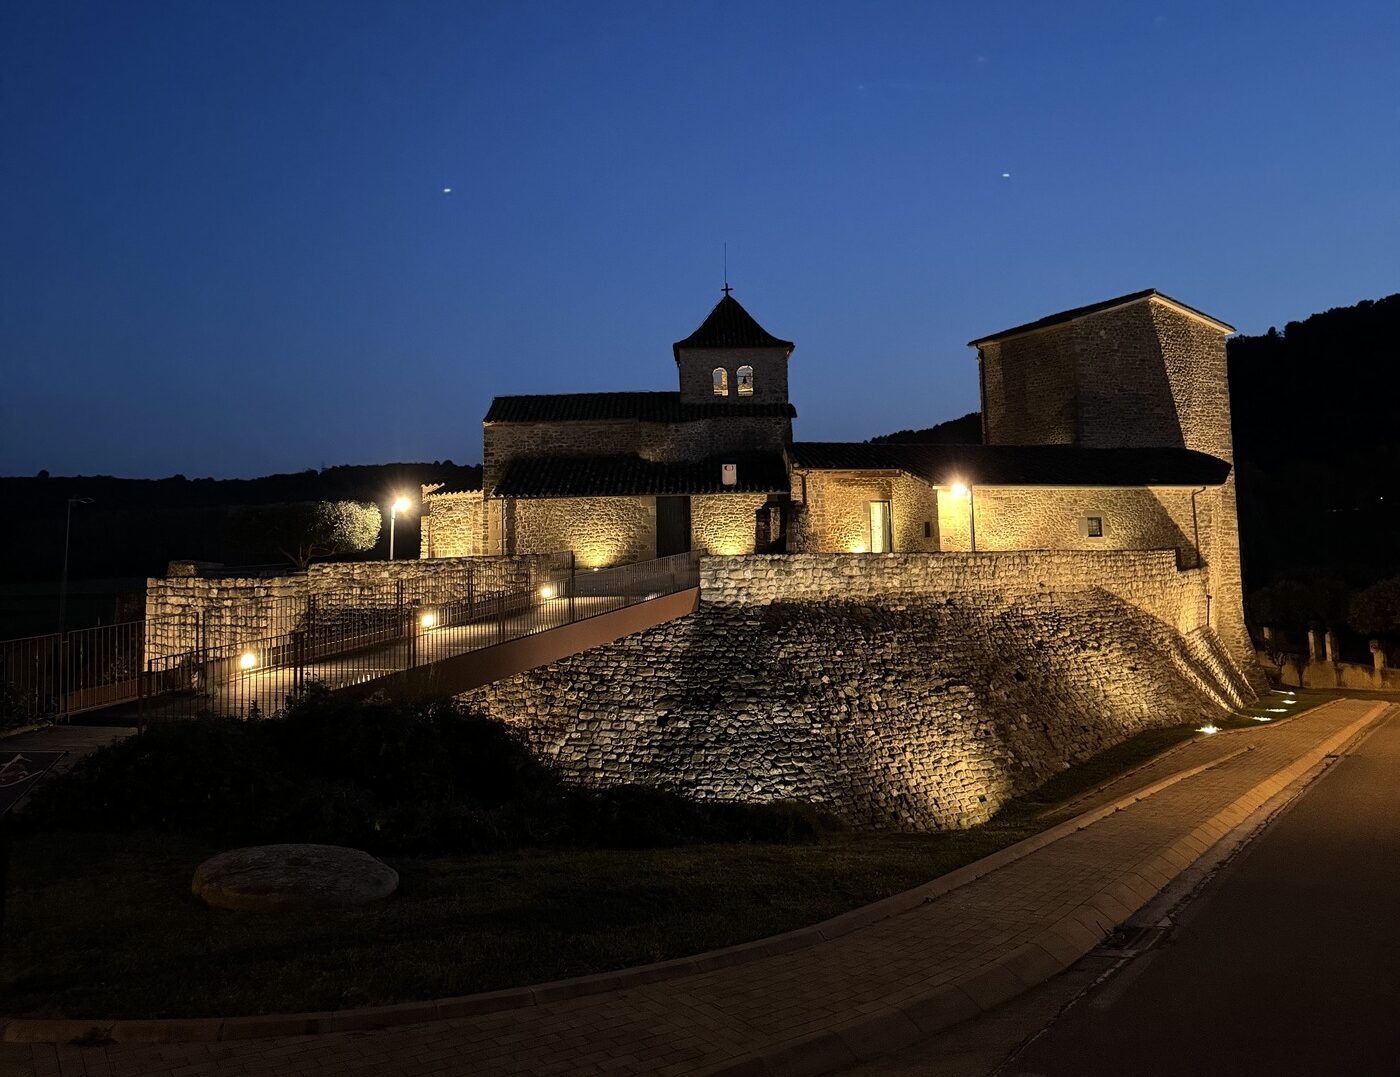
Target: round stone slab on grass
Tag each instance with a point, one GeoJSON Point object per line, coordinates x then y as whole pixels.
{"type": "Point", "coordinates": [274, 877]}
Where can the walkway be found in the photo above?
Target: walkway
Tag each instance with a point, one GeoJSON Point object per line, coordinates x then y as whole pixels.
{"type": "Point", "coordinates": [819, 1006]}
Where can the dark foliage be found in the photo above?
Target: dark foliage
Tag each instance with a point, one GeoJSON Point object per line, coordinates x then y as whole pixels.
{"type": "Point", "coordinates": [1375, 610]}
{"type": "Point", "coordinates": [1317, 448]}
{"type": "Point", "coordinates": [964, 431]}
{"type": "Point", "coordinates": [134, 527]}
{"type": "Point", "coordinates": [298, 531]}
{"type": "Point", "coordinates": [387, 777]}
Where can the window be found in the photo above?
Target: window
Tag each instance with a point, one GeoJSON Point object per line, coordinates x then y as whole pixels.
{"type": "Point", "coordinates": [928, 529]}
{"type": "Point", "coordinates": [721, 381]}
{"type": "Point", "coordinates": [745, 379]}
{"type": "Point", "coordinates": [1093, 526]}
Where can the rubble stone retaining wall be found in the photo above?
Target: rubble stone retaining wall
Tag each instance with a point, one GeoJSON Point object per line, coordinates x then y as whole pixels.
{"type": "Point", "coordinates": [919, 693]}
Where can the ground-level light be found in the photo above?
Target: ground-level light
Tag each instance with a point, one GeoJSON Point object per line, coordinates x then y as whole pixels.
{"type": "Point", "coordinates": [548, 591]}
{"type": "Point", "coordinates": [247, 660]}
{"type": "Point", "coordinates": [1209, 728]}
{"type": "Point", "coordinates": [428, 619]}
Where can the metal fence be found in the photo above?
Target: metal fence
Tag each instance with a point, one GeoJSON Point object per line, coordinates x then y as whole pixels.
{"type": "Point", "coordinates": [337, 639]}
{"type": "Point", "coordinates": [65, 673]}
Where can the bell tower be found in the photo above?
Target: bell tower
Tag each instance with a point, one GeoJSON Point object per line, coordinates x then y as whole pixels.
{"type": "Point", "coordinates": [732, 360]}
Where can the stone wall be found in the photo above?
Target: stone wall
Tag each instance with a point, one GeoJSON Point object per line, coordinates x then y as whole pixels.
{"type": "Point", "coordinates": [770, 374]}
{"type": "Point", "coordinates": [453, 524]}
{"type": "Point", "coordinates": [836, 511]}
{"type": "Point", "coordinates": [600, 530]}
{"type": "Point", "coordinates": [926, 709]}
{"type": "Point", "coordinates": [186, 612]}
{"type": "Point", "coordinates": [1148, 579]}
{"type": "Point", "coordinates": [1043, 518]}
{"type": "Point", "coordinates": [724, 523]}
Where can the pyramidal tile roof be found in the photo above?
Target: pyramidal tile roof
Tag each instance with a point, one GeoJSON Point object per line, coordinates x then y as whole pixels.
{"type": "Point", "coordinates": [730, 326]}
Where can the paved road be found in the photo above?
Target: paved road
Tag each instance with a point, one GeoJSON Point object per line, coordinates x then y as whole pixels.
{"type": "Point", "coordinates": [1288, 962]}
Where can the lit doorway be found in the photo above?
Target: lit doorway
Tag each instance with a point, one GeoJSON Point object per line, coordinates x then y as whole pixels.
{"type": "Point", "coordinates": [880, 527]}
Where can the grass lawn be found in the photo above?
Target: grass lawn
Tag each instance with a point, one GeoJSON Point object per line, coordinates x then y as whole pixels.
{"type": "Point", "coordinates": [104, 926]}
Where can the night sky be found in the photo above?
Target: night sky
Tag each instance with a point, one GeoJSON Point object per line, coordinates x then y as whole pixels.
{"type": "Point", "coordinates": [227, 249]}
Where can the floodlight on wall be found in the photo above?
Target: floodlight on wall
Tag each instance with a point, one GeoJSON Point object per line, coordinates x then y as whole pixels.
{"type": "Point", "coordinates": [247, 660]}
{"type": "Point", "coordinates": [548, 591]}
{"type": "Point", "coordinates": [959, 490]}
{"type": "Point", "coordinates": [428, 619]}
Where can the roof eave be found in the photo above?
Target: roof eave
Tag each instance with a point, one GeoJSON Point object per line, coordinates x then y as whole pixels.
{"type": "Point", "coordinates": [1224, 328]}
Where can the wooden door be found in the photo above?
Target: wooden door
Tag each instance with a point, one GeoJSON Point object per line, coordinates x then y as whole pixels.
{"type": "Point", "coordinates": [672, 525]}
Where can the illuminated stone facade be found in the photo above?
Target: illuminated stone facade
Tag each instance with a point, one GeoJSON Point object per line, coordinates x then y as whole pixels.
{"type": "Point", "coordinates": [454, 523]}
{"type": "Point", "coordinates": [1105, 428]}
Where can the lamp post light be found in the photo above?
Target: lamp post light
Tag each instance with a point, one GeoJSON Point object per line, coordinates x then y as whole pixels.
{"type": "Point", "coordinates": [401, 504]}
{"type": "Point", "coordinates": [63, 584]}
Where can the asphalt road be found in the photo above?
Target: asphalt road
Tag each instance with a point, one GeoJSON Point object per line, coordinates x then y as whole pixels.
{"type": "Point", "coordinates": [1287, 962]}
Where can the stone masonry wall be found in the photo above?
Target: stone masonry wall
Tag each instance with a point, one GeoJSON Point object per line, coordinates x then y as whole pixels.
{"type": "Point", "coordinates": [920, 699]}
{"type": "Point", "coordinates": [600, 530]}
{"type": "Point", "coordinates": [836, 507]}
{"type": "Point", "coordinates": [724, 523]}
{"type": "Point", "coordinates": [233, 611]}
{"type": "Point", "coordinates": [770, 374]}
{"type": "Point", "coordinates": [1042, 518]}
{"type": "Point", "coordinates": [453, 525]}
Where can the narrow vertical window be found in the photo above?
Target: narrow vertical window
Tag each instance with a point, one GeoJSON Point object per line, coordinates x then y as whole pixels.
{"type": "Point", "coordinates": [1093, 525]}
{"type": "Point", "coordinates": [745, 378]}
{"type": "Point", "coordinates": [721, 381]}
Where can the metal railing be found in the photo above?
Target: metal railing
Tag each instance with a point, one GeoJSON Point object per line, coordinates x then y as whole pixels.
{"type": "Point", "coordinates": [336, 638]}
{"type": "Point", "coordinates": [63, 673]}
{"type": "Point", "coordinates": [341, 646]}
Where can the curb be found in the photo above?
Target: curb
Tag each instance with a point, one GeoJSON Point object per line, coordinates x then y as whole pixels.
{"type": "Point", "coordinates": [366, 1019]}
{"type": "Point", "coordinates": [1048, 954]}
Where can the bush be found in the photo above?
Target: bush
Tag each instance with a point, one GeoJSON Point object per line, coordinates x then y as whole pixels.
{"type": "Point", "coordinates": [387, 777]}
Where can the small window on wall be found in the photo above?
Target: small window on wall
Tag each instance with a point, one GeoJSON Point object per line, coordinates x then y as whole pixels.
{"type": "Point", "coordinates": [745, 379]}
{"type": "Point", "coordinates": [721, 381]}
{"type": "Point", "coordinates": [1093, 526]}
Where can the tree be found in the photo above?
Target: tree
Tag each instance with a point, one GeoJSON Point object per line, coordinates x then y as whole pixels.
{"type": "Point", "coordinates": [1375, 611]}
{"type": "Point", "coordinates": [301, 530]}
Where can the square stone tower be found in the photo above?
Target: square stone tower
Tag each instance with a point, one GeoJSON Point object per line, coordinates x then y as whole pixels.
{"type": "Point", "coordinates": [1141, 370]}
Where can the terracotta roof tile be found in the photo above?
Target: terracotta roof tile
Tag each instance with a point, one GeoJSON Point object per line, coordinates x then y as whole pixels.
{"type": "Point", "coordinates": [729, 325]}
{"type": "Point", "coordinates": [658, 407]}
{"type": "Point", "coordinates": [631, 476]}
{"type": "Point", "coordinates": [1017, 465]}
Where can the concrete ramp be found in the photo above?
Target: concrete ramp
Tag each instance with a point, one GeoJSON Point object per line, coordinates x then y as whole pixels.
{"type": "Point", "coordinates": [462, 672]}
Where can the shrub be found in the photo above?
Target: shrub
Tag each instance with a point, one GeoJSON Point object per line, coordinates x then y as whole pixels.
{"type": "Point", "coordinates": [387, 777]}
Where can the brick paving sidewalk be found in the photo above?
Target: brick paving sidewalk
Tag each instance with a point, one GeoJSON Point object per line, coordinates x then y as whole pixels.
{"type": "Point", "coordinates": [730, 1017]}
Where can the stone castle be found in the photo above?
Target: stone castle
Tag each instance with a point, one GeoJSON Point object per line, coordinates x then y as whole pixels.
{"type": "Point", "coordinates": [1106, 427]}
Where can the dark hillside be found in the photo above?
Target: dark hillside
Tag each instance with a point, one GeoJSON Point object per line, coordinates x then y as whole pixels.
{"type": "Point", "coordinates": [134, 527]}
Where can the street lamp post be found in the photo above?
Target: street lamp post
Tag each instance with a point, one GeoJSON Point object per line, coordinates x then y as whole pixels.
{"type": "Point", "coordinates": [401, 504]}
{"type": "Point", "coordinates": [63, 583]}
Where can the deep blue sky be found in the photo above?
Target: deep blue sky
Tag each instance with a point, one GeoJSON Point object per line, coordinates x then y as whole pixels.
{"type": "Point", "coordinates": [226, 249]}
